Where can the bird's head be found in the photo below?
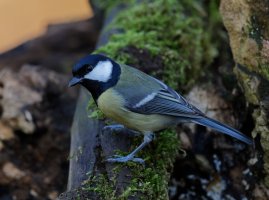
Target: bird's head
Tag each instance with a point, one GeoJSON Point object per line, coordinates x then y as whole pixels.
{"type": "Point", "coordinates": [95, 72]}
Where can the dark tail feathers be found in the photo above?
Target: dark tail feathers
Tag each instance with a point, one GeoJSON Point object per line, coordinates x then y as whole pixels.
{"type": "Point", "coordinates": [223, 128]}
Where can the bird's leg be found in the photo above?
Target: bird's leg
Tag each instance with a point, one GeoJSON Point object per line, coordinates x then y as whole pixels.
{"type": "Point", "coordinates": [148, 137]}
{"type": "Point", "coordinates": [120, 128]}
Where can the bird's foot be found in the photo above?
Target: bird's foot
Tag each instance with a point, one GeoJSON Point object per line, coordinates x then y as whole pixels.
{"type": "Point", "coordinates": [148, 137]}
{"type": "Point", "coordinates": [124, 159]}
{"type": "Point", "coordinates": [114, 128]}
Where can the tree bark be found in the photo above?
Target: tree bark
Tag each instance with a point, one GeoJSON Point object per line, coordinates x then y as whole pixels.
{"type": "Point", "coordinates": [247, 23]}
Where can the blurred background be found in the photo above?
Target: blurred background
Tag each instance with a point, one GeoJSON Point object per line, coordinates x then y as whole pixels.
{"type": "Point", "coordinates": [40, 40]}
{"type": "Point", "coordinates": [24, 20]}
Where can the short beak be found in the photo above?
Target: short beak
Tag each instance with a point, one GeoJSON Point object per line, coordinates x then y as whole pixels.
{"type": "Point", "coordinates": [74, 81]}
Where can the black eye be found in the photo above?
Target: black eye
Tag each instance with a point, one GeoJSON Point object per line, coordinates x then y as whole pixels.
{"type": "Point", "coordinates": [89, 68]}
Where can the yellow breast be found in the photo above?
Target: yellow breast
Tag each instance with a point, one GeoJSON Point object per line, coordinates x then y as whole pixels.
{"type": "Point", "coordinates": [112, 105]}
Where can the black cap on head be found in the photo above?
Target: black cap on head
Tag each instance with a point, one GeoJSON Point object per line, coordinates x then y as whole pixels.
{"type": "Point", "coordinates": [84, 66]}
{"type": "Point", "coordinates": [80, 68]}
{"type": "Point", "coordinates": [96, 81]}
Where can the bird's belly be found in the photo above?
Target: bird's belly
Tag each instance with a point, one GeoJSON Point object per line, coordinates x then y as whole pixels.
{"type": "Point", "coordinates": [111, 105]}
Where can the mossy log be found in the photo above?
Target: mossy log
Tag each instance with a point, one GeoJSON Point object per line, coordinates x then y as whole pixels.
{"type": "Point", "coordinates": [170, 39]}
{"type": "Point", "coordinates": [247, 22]}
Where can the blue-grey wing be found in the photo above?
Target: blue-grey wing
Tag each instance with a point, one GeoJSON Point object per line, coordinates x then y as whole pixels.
{"type": "Point", "coordinates": [166, 102]}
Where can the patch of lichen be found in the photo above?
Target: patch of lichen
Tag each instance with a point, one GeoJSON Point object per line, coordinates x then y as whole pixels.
{"type": "Point", "coordinates": [262, 128]}
{"type": "Point", "coordinates": [256, 90]}
{"type": "Point", "coordinates": [258, 30]}
{"type": "Point", "coordinates": [259, 19]}
{"type": "Point", "coordinates": [249, 83]}
{"type": "Point", "coordinates": [255, 31]}
{"type": "Point", "coordinates": [149, 181]}
{"type": "Point", "coordinates": [174, 30]}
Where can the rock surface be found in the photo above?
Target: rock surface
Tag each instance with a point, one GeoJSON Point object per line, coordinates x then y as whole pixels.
{"type": "Point", "coordinates": [247, 22]}
{"type": "Point", "coordinates": [23, 89]}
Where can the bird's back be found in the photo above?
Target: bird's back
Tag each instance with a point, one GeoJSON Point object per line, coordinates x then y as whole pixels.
{"type": "Point", "coordinates": [136, 84]}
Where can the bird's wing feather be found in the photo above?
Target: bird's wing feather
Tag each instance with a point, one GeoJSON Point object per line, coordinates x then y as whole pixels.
{"type": "Point", "coordinates": [166, 103]}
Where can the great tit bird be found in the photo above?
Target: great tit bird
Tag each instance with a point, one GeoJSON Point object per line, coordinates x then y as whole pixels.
{"type": "Point", "coordinates": [138, 101]}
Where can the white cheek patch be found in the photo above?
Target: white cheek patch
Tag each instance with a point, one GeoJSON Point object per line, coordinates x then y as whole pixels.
{"type": "Point", "coordinates": [102, 71]}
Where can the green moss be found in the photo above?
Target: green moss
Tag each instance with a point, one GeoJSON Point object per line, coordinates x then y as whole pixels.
{"type": "Point", "coordinates": [151, 182]}
{"type": "Point", "coordinates": [101, 186]}
{"type": "Point", "coordinates": [148, 182]}
{"type": "Point", "coordinates": [264, 70]}
{"type": "Point", "coordinates": [95, 113]}
{"type": "Point", "coordinates": [174, 30]}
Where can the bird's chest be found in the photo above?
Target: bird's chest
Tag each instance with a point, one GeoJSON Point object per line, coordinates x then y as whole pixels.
{"type": "Point", "coordinates": [112, 105]}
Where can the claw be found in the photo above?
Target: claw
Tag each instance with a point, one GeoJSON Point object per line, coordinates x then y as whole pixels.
{"type": "Point", "coordinates": [116, 128]}
{"type": "Point", "coordinates": [124, 159]}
